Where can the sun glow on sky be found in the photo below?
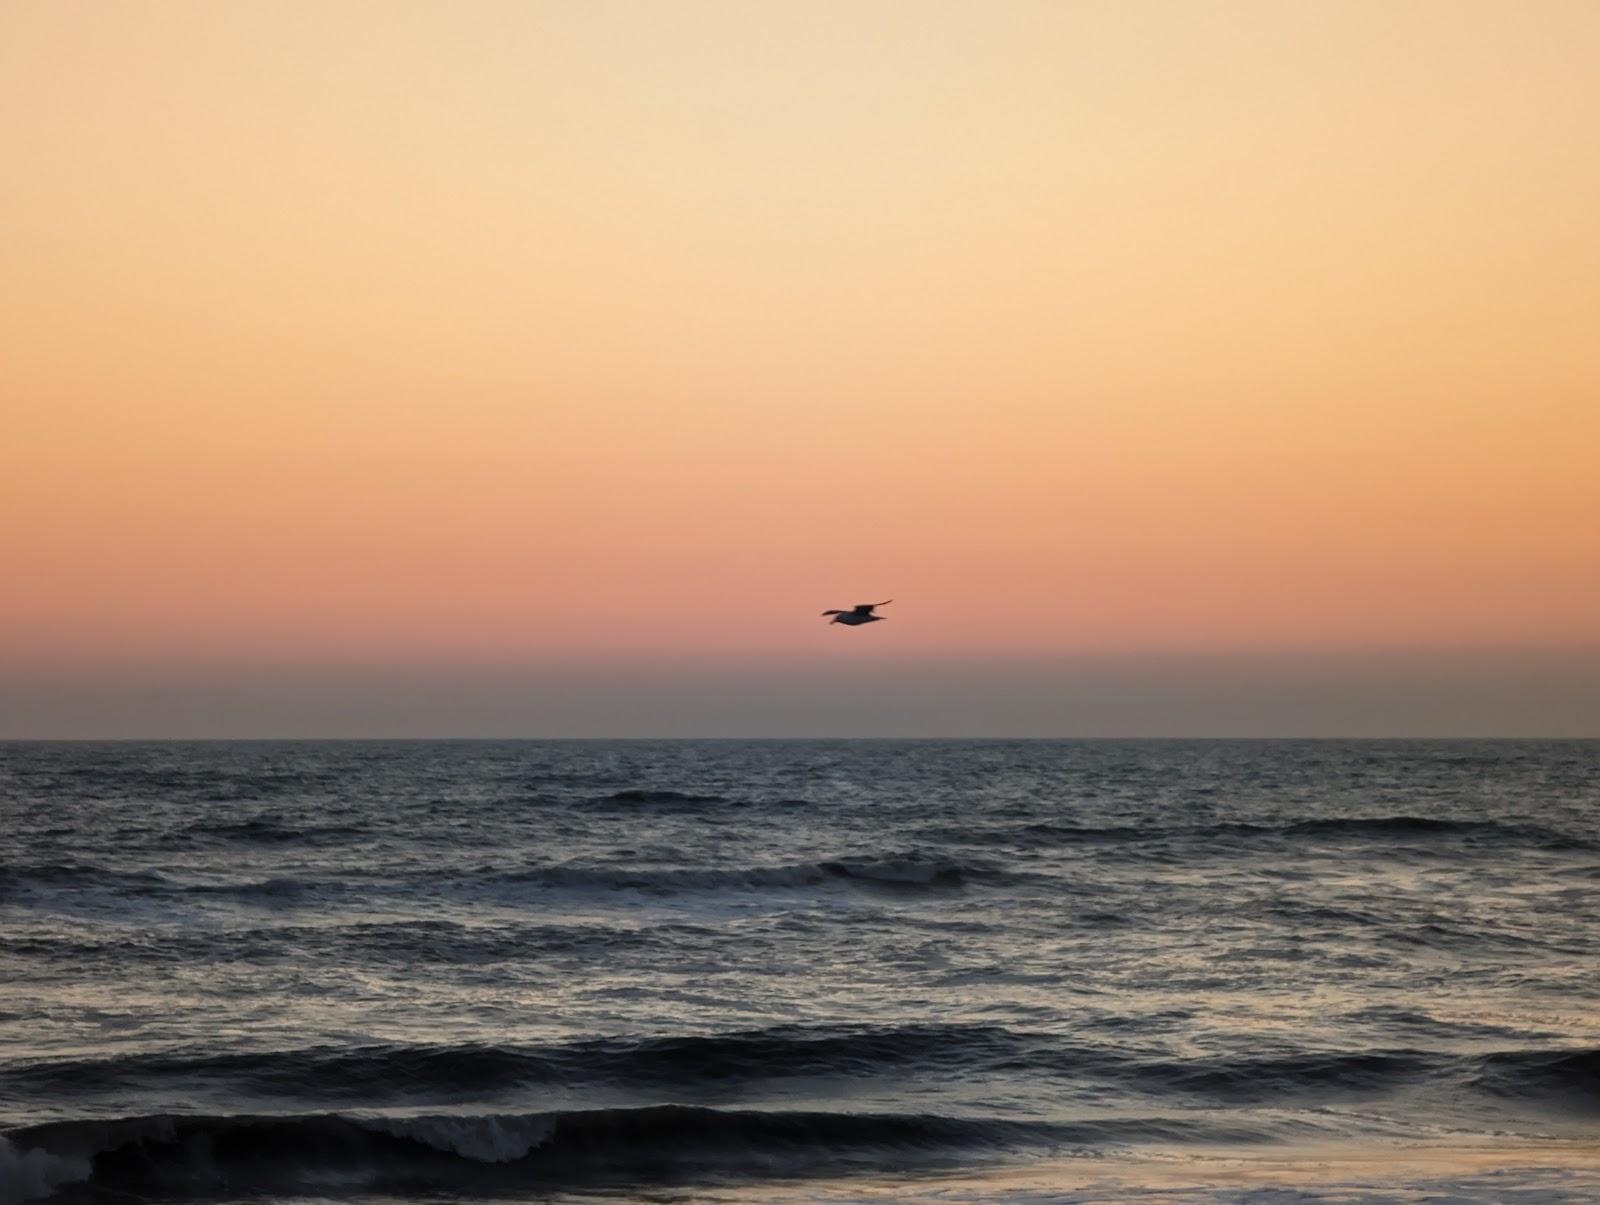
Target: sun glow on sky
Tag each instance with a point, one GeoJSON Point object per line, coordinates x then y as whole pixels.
{"type": "Point", "coordinates": [405, 334]}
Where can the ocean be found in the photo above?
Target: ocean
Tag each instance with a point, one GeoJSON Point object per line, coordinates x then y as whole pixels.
{"type": "Point", "coordinates": [800, 970]}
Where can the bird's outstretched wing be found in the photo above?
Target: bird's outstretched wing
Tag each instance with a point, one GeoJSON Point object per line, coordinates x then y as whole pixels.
{"type": "Point", "coordinates": [835, 612]}
{"type": "Point", "coordinates": [866, 608]}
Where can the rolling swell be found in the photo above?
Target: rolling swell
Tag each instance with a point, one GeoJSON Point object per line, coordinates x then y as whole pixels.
{"type": "Point", "coordinates": [909, 872]}
{"type": "Point", "coordinates": [74, 880]}
{"type": "Point", "coordinates": [651, 795]}
{"type": "Point", "coordinates": [1414, 830]}
{"type": "Point", "coordinates": [690, 1066]}
{"type": "Point", "coordinates": [381, 1073]}
{"type": "Point", "coordinates": [193, 1156]}
{"type": "Point", "coordinates": [260, 830]}
{"type": "Point", "coordinates": [1568, 1079]}
{"type": "Point", "coordinates": [379, 943]}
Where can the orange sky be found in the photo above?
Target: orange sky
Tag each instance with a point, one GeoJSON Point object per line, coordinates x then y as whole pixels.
{"type": "Point", "coordinates": [450, 334]}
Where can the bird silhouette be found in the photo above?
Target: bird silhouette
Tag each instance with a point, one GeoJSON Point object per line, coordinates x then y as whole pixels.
{"type": "Point", "coordinates": [861, 613]}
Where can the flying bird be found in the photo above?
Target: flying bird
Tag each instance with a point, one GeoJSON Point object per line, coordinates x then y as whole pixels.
{"type": "Point", "coordinates": [859, 614]}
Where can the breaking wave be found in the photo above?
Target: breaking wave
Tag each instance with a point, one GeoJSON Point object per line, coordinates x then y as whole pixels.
{"type": "Point", "coordinates": [194, 1156]}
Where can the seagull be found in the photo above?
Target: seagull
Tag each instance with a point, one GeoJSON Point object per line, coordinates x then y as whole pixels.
{"type": "Point", "coordinates": [862, 613]}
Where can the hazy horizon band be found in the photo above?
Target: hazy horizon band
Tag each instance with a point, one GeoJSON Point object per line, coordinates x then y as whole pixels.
{"type": "Point", "coordinates": [1548, 694]}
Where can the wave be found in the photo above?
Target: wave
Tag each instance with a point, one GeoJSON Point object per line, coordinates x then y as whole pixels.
{"type": "Point", "coordinates": [909, 872]}
{"type": "Point", "coordinates": [23, 881]}
{"type": "Point", "coordinates": [194, 1156]}
{"type": "Point", "coordinates": [390, 1073]}
{"type": "Point", "coordinates": [1566, 1079]}
{"type": "Point", "coordinates": [651, 795]}
{"type": "Point", "coordinates": [279, 889]}
{"type": "Point", "coordinates": [264, 831]}
{"type": "Point", "coordinates": [389, 943]}
{"type": "Point", "coordinates": [33, 1174]}
{"type": "Point", "coordinates": [672, 1066]}
{"type": "Point", "coordinates": [1276, 1079]}
{"type": "Point", "coordinates": [1427, 826]}
{"type": "Point", "coordinates": [1550, 1079]}
{"type": "Point", "coordinates": [1419, 829]}
{"type": "Point", "coordinates": [58, 878]}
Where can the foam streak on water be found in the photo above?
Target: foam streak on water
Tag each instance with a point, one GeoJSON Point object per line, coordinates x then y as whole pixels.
{"type": "Point", "coordinates": [378, 970]}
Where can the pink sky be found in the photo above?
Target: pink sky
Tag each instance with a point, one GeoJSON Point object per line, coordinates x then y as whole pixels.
{"type": "Point", "coordinates": [405, 337]}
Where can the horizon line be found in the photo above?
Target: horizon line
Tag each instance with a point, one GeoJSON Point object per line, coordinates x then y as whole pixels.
{"type": "Point", "coordinates": [395, 740]}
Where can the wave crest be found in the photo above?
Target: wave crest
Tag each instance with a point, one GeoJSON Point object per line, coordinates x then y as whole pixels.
{"type": "Point", "coordinates": [193, 1156]}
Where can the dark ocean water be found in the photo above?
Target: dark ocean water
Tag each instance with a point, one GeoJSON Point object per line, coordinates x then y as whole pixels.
{"type": "Point", "coordinates": [253, 971]}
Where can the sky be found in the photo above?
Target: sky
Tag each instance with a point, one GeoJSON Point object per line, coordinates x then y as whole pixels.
{"type": "Point", "coordinates": [545, 369]}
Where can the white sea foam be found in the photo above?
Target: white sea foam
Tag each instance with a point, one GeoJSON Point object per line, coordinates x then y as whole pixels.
{"type": "Point", "coordinates": [487, 1139]}
{"type": "Point", "coordinates": [32, 1175]}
